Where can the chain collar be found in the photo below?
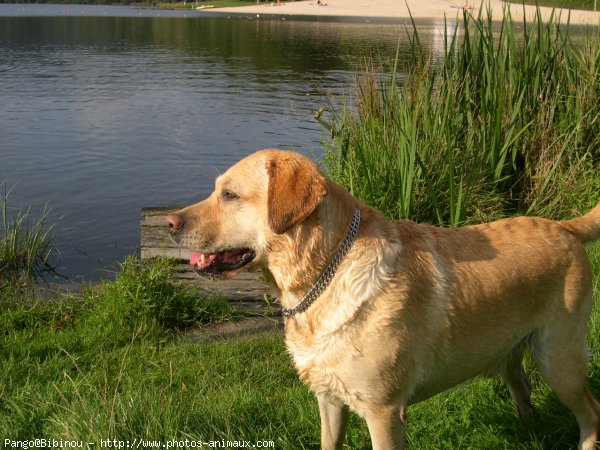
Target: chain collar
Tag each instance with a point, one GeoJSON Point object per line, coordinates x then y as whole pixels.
{"type": "Point", "coordinates": [329, 271]}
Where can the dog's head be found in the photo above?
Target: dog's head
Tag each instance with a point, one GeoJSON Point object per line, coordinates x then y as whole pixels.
{"type": "Point", "coordinates": [260, 197]}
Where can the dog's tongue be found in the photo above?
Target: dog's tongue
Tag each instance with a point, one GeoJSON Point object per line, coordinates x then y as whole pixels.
{"type": "Point", "coordinates": [202, 260]}
{"type": "Point", "coordinates": [196, 256]}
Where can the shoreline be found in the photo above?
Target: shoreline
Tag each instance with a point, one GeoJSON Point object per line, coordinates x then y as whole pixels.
{"type": "Point", "coordinates": [397, 11]}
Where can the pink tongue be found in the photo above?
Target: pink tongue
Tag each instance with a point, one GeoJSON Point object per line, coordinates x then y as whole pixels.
{"type": "Point", "coordinates": [202, 260]}
{"type": "Point", "coordinates": [195, 258]}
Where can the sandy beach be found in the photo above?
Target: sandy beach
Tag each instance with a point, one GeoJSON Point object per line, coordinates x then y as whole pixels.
{"type": "Point", "coordinates": [399, 9]}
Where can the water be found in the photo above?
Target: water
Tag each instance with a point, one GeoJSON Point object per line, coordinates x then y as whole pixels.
{"type": "Point", "coordinates": [105, 110]}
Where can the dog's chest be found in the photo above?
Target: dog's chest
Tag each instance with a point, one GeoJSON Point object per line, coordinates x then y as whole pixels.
{"type": "Point", "coordinates": [325, 363]}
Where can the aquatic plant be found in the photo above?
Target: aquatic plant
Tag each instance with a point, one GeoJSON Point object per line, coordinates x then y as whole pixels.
{"type": "Point", "coordinates": [26, 250]}
{"type": "Point", "coordinates": [508, 121]}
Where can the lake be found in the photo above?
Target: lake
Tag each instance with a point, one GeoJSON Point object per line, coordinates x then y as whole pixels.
{"type": "Point", "coordinates": [105, 110]}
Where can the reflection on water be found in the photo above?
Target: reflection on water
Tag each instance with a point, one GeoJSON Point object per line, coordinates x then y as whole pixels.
{"type": "Point", "coordinates": [100, 116]}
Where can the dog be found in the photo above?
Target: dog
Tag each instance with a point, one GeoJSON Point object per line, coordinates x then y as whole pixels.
{"type": "Point", "coordinates": [382, 314]}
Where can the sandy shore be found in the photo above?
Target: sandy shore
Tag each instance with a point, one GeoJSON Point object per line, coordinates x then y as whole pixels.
{"type": "Point", "coordinates": [398, 9]}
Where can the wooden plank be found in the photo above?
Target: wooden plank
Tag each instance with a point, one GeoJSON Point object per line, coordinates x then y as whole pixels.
{"type": "Point", "coordinates": [157, 237]}
{"type": "Point", "coordinates": [156, 241]}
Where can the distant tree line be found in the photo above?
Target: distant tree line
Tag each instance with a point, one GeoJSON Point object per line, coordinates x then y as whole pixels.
{"type": "Point", "coordinates": [591, 5]}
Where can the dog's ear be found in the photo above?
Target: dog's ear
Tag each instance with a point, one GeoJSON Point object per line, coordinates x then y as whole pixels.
{"type": "Point", "coordinates": [296, 187]}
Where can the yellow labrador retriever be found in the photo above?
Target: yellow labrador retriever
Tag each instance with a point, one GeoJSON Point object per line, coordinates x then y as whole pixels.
{"type": "Point", "coordinates": [380, 314]}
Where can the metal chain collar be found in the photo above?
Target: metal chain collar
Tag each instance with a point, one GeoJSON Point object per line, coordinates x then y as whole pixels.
{"type": "Point", "coordinates": [329, 271]}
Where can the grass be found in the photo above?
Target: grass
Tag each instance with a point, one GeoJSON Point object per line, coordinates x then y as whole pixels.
{"type": "Point", "coordinates": [70, 372]}
{"type": "Point", "coordinates": [26, 252]}
{"type": "Point", "coordinates": [507, 123]}
{"type": "Point", "coordinates": [471, 132]}
{"type": "Point", "coordinates": [566, 4]}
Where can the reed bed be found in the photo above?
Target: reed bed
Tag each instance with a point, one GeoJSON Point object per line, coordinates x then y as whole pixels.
{"type": "Point", "coordinates": [26, 251]}
{"type": "Point", "coordinates": [507, 122]}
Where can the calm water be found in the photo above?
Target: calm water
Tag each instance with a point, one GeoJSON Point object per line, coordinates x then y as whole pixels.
{"type": "Point", "coordinates": [104, 110]}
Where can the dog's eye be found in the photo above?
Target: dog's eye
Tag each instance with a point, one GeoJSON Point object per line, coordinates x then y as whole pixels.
{"type": "Point", "coordinates": [228, 195]}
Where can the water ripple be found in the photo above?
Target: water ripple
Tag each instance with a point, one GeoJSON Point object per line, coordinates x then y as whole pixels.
{"type": "Point", "coordinates": [102, 116]}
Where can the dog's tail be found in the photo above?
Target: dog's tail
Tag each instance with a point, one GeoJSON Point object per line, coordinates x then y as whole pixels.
{"type": "Point", "coordinates": [585, 228]}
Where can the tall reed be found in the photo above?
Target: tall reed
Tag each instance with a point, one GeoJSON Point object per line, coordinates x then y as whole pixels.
{"type": "Point", "coordinates": [507, 122]}
{"type": "Point", "coordinates": [26, 250]}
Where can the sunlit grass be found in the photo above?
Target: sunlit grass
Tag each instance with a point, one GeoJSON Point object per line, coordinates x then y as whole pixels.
{"type": "Point", "coordinates": [71, 370]}
{"type": "Point", "coordinates": [507, 124]}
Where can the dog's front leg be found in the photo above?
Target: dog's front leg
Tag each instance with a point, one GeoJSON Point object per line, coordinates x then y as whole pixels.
{"type": "Point", "coordinates": [387, 426]}
{"type": "Point", "coordinates": [334, 420]}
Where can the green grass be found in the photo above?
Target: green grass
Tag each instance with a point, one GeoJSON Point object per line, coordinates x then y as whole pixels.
{"type": "Point", "coordinates": [68, 372]}
{"type": "Point", "coordinates": [26, 251]}
{"type": "Point", "coordinates": [566, 4]}
{"type": "Point", "coordinates": [507, 123]}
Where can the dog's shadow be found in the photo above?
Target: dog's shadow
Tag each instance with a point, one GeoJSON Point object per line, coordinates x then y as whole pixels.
{"type": "Point", "coordinates": [480, 415]}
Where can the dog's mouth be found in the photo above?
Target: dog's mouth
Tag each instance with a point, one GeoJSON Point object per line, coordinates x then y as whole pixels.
{"type": "Point", "coordinates": [221, 262]}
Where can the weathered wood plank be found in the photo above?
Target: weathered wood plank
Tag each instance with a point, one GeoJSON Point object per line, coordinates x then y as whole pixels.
{"type": "Point", "coordinates": [157, 237]}
{"type": "Point", "coordinates": [156, 241]}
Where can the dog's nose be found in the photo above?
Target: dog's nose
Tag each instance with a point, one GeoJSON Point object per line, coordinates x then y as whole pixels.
{"type": "Point", "coordinates": [175, 222]}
